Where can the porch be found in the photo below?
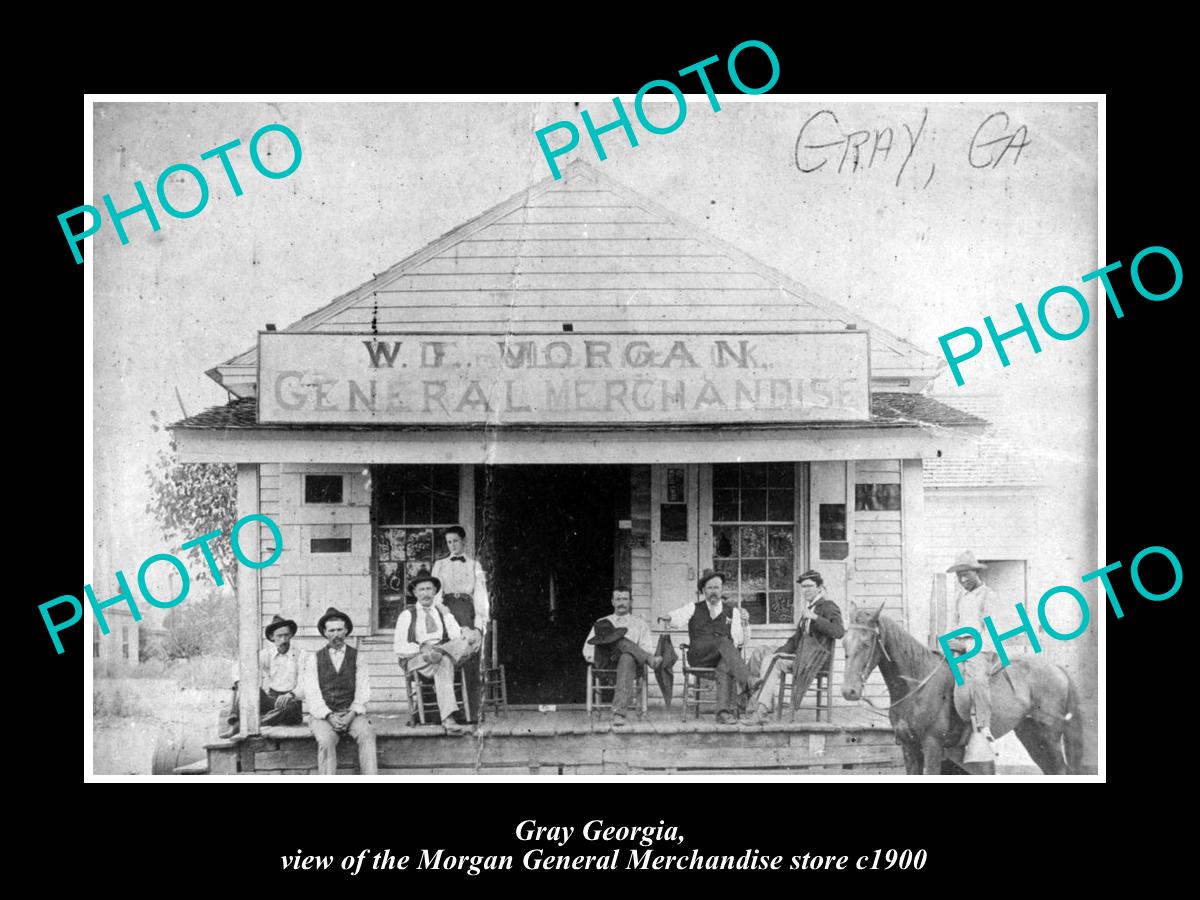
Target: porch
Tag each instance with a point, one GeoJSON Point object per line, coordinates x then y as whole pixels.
{"type": "Point", "coordinates": [567, 742]}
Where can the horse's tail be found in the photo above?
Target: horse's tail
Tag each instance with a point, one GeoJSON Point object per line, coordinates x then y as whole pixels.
{"type": "Point", "coordinates": [1073, 730]}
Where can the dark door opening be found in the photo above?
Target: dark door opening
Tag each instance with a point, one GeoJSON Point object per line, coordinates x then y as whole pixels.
{"type": "Point", "coordinates": [548, 540]}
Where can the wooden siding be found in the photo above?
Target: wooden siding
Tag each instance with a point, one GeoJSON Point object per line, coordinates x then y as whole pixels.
{"type": "Point", "coordinates": [591, 252]}
{"type": "Point", "coordinates": [640, 581]}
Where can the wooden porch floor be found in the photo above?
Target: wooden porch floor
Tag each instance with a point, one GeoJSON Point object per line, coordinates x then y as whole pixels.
{"type": "Point", "coordinates": [569, 743]}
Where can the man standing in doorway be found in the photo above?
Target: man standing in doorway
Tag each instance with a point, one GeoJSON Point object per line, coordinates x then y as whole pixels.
{"type": "Point", "coordinates": [623, 642]}
{"type": "Point", "coordinates": [714, 634]}
{"type": "Point", "coordinates": [337, 690]}
{"type": "Point", "coordinates": [977, 601]}
{"type": "Point", "coordinates": [464, 593]}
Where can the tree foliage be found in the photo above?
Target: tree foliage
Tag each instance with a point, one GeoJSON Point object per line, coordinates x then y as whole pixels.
{"type": "Point", "coordinates": [205, 626]}
{"type": "Point", "coordinates": [192, 499]}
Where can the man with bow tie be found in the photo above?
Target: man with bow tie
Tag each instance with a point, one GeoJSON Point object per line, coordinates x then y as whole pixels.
{"type": "Point", "coordinates": [428, 644]}
{"type": "Point", "coordinates": [464, 593]}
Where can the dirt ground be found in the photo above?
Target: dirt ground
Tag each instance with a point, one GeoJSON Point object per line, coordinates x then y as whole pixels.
{"type": "Point", "coordinates": [134, 713]}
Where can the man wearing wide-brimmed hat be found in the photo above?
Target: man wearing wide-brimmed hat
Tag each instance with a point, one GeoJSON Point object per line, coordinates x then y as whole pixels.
{"type": "Point", "coordinates": [977, 601]}
{"type": "Point", "coordinates": [714, 634]}
{"type": "Point", "coordinates": [429, 643]}
{"type": "Point", "coordinates": [623, 642]}
{"type": "Point", "coordinates": [280, 691]}
{"type": "Point", "coordinates": [337, 689]}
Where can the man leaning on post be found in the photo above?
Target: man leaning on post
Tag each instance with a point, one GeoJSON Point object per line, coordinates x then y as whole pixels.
{"type": "Point", "coordinates": [337, 690]}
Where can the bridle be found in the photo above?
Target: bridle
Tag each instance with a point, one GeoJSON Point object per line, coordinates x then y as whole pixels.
{"type": "Point", "coordinates": [880, 648]}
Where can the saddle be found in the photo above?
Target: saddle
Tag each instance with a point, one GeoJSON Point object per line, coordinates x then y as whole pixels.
{"type": "Point", "coordinates": [999, 682]}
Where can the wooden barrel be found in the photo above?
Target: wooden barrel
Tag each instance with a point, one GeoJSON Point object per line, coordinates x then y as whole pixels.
{"type": "Point", "coordinates": [173, 751]}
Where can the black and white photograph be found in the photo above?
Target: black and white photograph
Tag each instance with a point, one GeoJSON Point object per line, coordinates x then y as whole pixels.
{"type": "Point", "coordinates": [534, 439]}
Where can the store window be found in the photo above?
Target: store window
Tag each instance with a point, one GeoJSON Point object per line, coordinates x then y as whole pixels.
{"type": "Point", "coordinates": [412, 507]}
{"type": "Point", "coordinates": [754, 537]}
{"type": "Point", "coordinates": [868, 497]}
{"type": "Point", "coordinates": [323, 488]}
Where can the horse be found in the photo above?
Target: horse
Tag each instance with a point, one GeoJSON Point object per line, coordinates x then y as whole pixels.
{"type": "Point", "coordinates": [1031, 697]}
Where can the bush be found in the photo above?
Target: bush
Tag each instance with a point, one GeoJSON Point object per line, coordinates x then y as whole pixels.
{"type": "Point", "coordinates": [117, 703]}
{"type": "Point", "coordinates": [204, 627]}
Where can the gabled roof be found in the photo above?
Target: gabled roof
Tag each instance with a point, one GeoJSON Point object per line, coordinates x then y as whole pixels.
{"type": "Point", "coordinates": [1004, 461]}
{"type": "Point", "coordinates": [588, 251]}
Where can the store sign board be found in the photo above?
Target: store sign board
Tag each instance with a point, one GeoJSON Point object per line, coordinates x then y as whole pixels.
{"type": "Point", "coordinates": [466, 379]}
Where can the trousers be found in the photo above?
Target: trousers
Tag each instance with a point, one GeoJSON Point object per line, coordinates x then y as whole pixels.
{"type": "Point", "coordinates": [629, 659]}
{"type": "Point", "coordinates": [442, 673]}
{"type": "Point", "coordinates": [722, 655]}
{"type": "Point", "coordinates": [290, 714]}
{"type": "Point", "coordinates": [327, 741]}
{"type": "Point", "coordinates": [975, 672]}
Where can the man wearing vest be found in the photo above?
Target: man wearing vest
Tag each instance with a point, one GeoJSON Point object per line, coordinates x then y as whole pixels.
{"type": "Point", "coordinates": [464, 593]}
{"type": "Point", "coordinates": [429, 642]}
{"type": "Point", "coordinates": [337, 690]}
{"type": "Point", "coordinates": [714, 634]}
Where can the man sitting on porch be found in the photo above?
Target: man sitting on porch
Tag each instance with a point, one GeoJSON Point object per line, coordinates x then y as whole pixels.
{"type": "Point", "coordinates": [623, 642]}
{"type": "Point", "coordinates": [714, 634]}
{"type": "Point", "coordinates": [429, 643]}
{"type": "Point", "coordinates": [337, 690]}
{"type": "Point", "coordinates": [811, 644]}
{"type": "Point", "coordinates": [280, 691]}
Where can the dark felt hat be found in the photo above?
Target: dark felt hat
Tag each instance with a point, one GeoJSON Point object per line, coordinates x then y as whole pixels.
{"type": "Point", "coordinates": [420, 578]}
{"type": "Point", "coordinates": [607, 633]}
{"type": "Point", "coordinates": [278, 622]}
{"type": "Point", "coordinates": [706, 577]}
{"type": "Point", "coordinates": [334, 613]}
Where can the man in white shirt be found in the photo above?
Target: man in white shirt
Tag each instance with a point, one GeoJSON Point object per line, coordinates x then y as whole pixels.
{"type": "Point", "coordinates": [464, 593]}
{"type": "Point", "coordinates": [623, 642]}
{"type": "Point", "coordinates": [977, 601]}
{"type": "Point", "coordinates": [337, 689]}
{"type": "Point", "coordinates": [428, 643]}
{"type": "Point", "coordinates": [714, 634]}
{"type": "Point", "coordinates": [279, 674]}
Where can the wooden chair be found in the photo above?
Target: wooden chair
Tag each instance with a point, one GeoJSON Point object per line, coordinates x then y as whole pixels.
{"type": "Point", "coordinates": [822, 686]}
{"type": "Point", "coordinates": [422, 696]}
{"type": "Point", "coordinates": [699, 686]}
{"type": "Point", "coordinates": [494, 695]}
{"type": "Point", "coordinates": [601, 680]}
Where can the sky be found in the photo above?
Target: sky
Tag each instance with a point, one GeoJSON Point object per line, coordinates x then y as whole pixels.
{"type": "Point", "coordinates": [921, 242]}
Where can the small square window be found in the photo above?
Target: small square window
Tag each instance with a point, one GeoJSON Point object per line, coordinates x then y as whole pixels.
{"type": "Point", "coordinates": [329, 545]}
{"type": "Point", "coordinates": [876, 497]}
{"type": "Point", "coordinates": [323, 488]}
{"type": "Point", "coordinates": [833, 523]}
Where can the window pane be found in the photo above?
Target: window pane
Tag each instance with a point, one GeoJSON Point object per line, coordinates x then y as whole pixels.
{"type": "Point", "coordinates": [416, 508]}
{"type": "Point", "coordinates": [329, 545]}
{"type": "Point", "coordinates": [889, 496]}
{"type": "Point", "coordinates": [725, 505]}
{"type": "Point", "coordinates": [754, 475]}
{"type": "Point", "coordinates": [781, 541]}
{"type": "Point", "coordinates": [418, 547]}
{"type": "Point", "coordinates": [322, 488]}
{"type": "Point", "coordinates": [834, 549]}
{"type": "Point", "coordinates": [877, 496]}
{"type": "Point", "coordinates": [781, 474]}
{"type": "Point", "coordinates": [725, 475]}
{"type": "Point", "coordinates": [725, 541]}
{"type": "Point", "coordinates": [780, 572]}
{"type": "Point", "coordinates": [729, 571]}
{"type": "Point", "coordinates": [754, 577]}
{"type": "Point", "coordinates": [781, 608]}
{"type": "Point", "coordinates": [445, 478]}
{"type": "Point", "coordinates": [833, 522]}
{"type": "Point", "coordinates": [673, 521]}
{"type": "Point", "coordinates": [754, 541]}
{"type": "Point", "coordinates": [756, 605]}
{"type": "Point", "coordinates": [754, 505]}
{"type": "Point", "coordinates": [780, 506]}
{"type": "Point", "coordinates": [445, 508]}
{"type": "Point", "coordinates": [675, 486]}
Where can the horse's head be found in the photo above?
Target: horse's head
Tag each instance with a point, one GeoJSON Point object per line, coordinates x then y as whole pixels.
{"type": "Point", "coordinates": [861, 644]}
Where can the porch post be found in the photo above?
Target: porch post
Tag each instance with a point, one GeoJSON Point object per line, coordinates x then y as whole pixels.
{"type": "Point", "coordinates": [916, 563]}
{"type": "Point", "coordinates": [248, 601]}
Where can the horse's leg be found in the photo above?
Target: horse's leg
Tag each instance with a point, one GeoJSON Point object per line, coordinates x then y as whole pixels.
{"type": "Point", "coordinates": [932, 749]}
{"type": "Point", "coordinates": [1043, 743]}
{"type": "Point", "coordinates": [912, 758]}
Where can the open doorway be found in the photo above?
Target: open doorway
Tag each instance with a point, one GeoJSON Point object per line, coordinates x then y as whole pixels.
{"type": "Point", "coordinates": [549, 544]}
